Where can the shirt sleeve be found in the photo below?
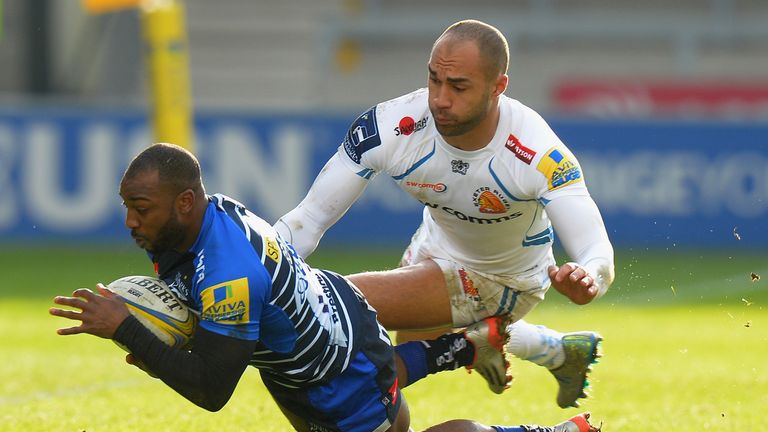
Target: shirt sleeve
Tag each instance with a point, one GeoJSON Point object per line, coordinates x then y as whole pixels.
{"type": "Point", "coordinates": [232, 295]}
{"type": "Point", "coordinates": [207, 375]}
{"type": "Point", "coordinates": [362, 137]}
{"type": "Point", "coordinates": [333, 192]}
{"type": "Point", "coordinates": [551, 170]}
{"type": "Point", "coordinates": [580, 228]}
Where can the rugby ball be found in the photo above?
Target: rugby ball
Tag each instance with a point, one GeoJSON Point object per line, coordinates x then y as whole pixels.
{"type": "Point", "coordinates": [157, 308]}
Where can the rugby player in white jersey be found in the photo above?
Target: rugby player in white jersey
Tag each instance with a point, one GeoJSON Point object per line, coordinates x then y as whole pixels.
{"type": "Point", "coordinates": [494, 180]}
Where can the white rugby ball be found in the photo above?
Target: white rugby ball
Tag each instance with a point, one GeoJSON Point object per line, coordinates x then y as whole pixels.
{"type": "Point", "coordinates": [157, 308]}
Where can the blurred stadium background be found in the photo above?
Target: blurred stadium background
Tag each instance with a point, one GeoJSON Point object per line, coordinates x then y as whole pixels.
{"type": "Point", "coordinates": [664, 103]}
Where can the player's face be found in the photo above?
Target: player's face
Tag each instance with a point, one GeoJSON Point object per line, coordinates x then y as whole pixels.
{"type": "Point", "coordinates": [150, 213]}
{"type": "Point", "coordinates": [459, 89]}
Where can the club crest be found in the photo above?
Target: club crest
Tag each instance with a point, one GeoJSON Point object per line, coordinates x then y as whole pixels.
{"type": "Point", "coordinates": [459, 166]}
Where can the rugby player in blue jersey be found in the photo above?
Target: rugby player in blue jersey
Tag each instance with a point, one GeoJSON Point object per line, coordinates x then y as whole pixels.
{"type": "Point", "coordinates": [320, 350]}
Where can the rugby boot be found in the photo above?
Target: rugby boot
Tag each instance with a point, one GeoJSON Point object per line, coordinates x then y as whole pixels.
{"type": "Point", "coordinates": [578, 423]}
{"type": "Point", "coordinates": [489, 338]}
{"type": "Point", "coordinates": [581, 351]}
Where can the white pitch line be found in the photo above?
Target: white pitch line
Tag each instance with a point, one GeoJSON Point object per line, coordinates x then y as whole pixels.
{"type": "Point", "coordinates": [69, 391]}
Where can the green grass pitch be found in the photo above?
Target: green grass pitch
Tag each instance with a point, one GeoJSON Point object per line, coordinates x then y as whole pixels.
{"type": "Point", "coordinates": [686, 349]}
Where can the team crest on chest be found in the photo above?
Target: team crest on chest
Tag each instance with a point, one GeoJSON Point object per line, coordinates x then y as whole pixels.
{"type": "Point", "coordinates": [459, 166]}
{"type": "Point", "coordinates": [179, 286]}
{"type": "Point", "coordinates": [490, 201]}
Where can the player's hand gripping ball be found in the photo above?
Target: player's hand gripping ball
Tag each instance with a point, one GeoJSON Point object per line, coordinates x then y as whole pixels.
{"type": "Point", "coordinates": [157, 308]}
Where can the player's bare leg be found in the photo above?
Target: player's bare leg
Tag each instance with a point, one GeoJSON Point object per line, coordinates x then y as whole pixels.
{"type": "Point", "coordinates": [402, 422]}
{"type": "Point", "coordinates": [416, 297]}
{"type": "Point", "coordinates": [411, 297]}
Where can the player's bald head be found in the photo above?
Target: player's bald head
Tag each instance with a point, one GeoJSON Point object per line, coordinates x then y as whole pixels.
{"type": "Point", "coordinates": [492, 45]}
{"type": "Point", "coordinates": [177, 168]}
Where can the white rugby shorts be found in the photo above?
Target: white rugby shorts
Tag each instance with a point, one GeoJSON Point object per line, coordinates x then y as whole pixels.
{"type": "Point", "coordinates": [476, 295]}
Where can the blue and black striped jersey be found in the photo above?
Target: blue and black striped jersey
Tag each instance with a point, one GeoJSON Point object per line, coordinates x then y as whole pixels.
{"type": "Point", "coordinates": [248, 283]}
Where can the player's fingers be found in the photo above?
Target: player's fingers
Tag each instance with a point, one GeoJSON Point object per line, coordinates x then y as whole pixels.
{"type": "Point", "coordinates": [84, 293]}
{"type": "Point", "coordinates": [566, 272]}
{"type": "Point", "coordinates": [69, 301]}
{"type": "Point", "coordinates": [104, 291]}
{"type": "Point", "coordinates": [577, 273]}
{"type": "Point", "coordinates": [65, 313]}
{"type": "Point", "coordinates": [70, 330]}
{"type": "Point", "coordinates": [558, 274]}
{"type": "Point", "coordinates": [552, 270]}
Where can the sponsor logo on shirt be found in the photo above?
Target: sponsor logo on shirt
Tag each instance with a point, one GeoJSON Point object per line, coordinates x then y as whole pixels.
{"type": "Point", "coordinates": [489, 200]}
{"type": "Point", "coordinates": [227, 302]}
{"type": "Point", "coordinates": [362, 136]}
{"type": "Point", "coordinates": [408, 126]}
{"type": "Point", "coordinates": [559, 169]}
{"type": "Point", "coordinates": [272, 249]}
{"type": "Point", "coordinates": [473, 219]}
{"type": "Point", "coordinates": [437, 187]}
{"type": "Point", "coordinates": [521, 152]}
{"type": "Point", "coordinates": [459, 166]}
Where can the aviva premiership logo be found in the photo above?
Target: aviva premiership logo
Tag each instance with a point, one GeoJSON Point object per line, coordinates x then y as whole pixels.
{"type": "Point", "coordinates": [490, 201]}
{"type": "Point", "coordinates": [228, 302]}
{"type": "Point", "coordinates": [559, 169]}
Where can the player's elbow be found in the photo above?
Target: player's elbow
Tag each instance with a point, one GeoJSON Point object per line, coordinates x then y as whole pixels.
{"type": "Point", "coordinates": [213, 404]}
{"type": "Point", "coordinates": [210, 401]}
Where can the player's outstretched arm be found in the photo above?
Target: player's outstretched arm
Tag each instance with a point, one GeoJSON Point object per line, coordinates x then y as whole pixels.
{"type": "Point", "coordinates": [206, 376]}
{"type": "Point", "coordinates": [580, 228]}
{"type": "Point", "coordinates": [333, 192]}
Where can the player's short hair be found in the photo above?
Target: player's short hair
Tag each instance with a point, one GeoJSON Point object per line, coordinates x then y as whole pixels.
{"type": "Point", "coordinates": [176, 166]}
{"type": "Point", "coordinates": [490, 41]}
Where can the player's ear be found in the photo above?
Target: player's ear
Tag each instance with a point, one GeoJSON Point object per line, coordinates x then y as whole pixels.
{"type": "Point", "coordinates": [500, 86]}
{"type": "Point", "coordinates": [185, 201]}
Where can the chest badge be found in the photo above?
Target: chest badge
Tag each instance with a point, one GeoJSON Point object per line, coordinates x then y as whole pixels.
{"type": "Point", "coordinates": [459, 166]}
{"type": "Point", "coordinates": [490, 201]}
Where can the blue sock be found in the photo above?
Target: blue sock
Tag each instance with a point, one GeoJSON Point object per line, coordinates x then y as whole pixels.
{"type": "Point", "coordinates": [508, 429]}
{"type": "Point", "coordinates": [447, 352]}
{"type": "Point", "coordinates": [413, 354]}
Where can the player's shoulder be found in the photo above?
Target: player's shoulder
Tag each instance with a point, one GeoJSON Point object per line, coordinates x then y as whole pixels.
{"type": "Point", "coordinates": [533, 150]}
{"type": "Point", "coordinates": [387, 126]}
{"type": "Point", "coordinates": [230, 243]}
{"type": "Point", "coordinates": [527, 135]}
{"type": "Point", "coordinates": [404, 116]}
{"type": "Point", "coordinates": [239, 213]}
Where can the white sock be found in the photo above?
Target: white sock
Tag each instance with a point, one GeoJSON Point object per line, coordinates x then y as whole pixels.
{"type": "Point", "coordinates": [538, 344]}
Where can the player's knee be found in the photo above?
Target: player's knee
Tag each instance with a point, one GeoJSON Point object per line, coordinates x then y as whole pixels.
{"type": "Point", "coordinates": [403, 420]}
